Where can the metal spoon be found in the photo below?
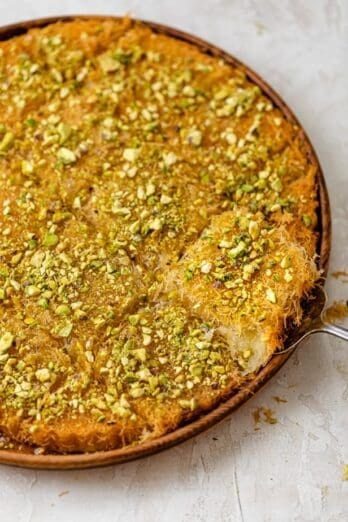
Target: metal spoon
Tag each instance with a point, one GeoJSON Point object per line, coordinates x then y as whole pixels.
{"type": "Point", "coordinates": [314, 322]}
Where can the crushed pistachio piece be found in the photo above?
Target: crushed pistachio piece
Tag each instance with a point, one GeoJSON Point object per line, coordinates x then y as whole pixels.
{"type": "Point", "coordinates": [89, 356]}
{"type": "Point", "coordinates": [43, 374]}
{"type": "Point", "coordinates": [239, 249]}
{"type": "Point", "coordinates": [254, 229]}
{"type": "Point", "coordinates": [64, 131]}
{"type": "Point", "coordinates": [108, 63]}
{"type": "Point", "coordinates": [43, 303]}
{"type": "Point", "coordinates": [170, 159]}
{"type": "Point", "coordinates": [6, 341]}
{"type": "Point", "coordinates": [206, 267]}
{"type": "Point", "coordinates": [131, 154]}
{"type": "Point", "coordinates": [285, 262]}
{"type": "Point", "coordinates": [50, 239]}
{"type": "Point", "coordinates": [65, 330]}
{"type": "Point", "coordinates": [7, 141]}
{"type": "Point", "coordinates": [63, 310]}
{"type": "Point", "coordinates": [165, 200]}
{"type": "Point", "coordinates": [307, 220]}
{"type": "Point", "coordinates": [147, 339]}
{"type": "Point", "coordinates": [194, 137]}
{"type": "Point", "coordinates": [231, 138]}
{"type": "Point", "coordinates": [16, 259]}
{"type": "Point", "coordinates": [271, 296]}
{"type": "Point", "coordinates": [140, 353]}
{"type": "Point", "coordinates": [66, 156]}
{"type": "Point", "coordinates": [32, 290]}
{"type": "Point", "coordinates": [27, 167]}
{"type": "Point", "coordinates": [134, 319]}
{"type": "Point", "coordinates": [288, 276]}
{"type": "Point", "coordinates": [155, 224]}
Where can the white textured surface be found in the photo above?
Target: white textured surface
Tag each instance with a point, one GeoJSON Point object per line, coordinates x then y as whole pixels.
{"type": "Point", "coordinates": [289, 471]}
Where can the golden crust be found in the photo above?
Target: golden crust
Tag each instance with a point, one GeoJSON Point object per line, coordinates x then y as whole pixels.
{"type": "Point", "coordinates": [158, 218]}
{"type": "Point", "coordinates": [254, 289]}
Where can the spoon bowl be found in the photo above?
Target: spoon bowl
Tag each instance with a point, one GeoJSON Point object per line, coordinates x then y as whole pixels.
{"type": "Point", "coordinates": [314, 321]}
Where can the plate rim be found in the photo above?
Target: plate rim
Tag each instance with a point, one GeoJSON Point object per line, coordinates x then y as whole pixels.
{"type": "Point", "coordinates": [223, 409]}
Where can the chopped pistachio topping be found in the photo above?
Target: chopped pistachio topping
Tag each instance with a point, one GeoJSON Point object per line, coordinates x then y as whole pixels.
{"type": "Point", "coordinates": [63, 310]}
{"type": "Point", "coordinates": [271, 296]}
{"type": "Point", "coordinates": [66, 156]}
{"type": "Point", "coordinates": [194, 137]}
{"type": "Point", "coordinates": [6, 341]}
{"type": "Point", "coordinates": [115, 161]}
{"type": "Point", "coordinates": [50, 239]}
{"type": "Point", "coordinates": [130, 154]}
{"type": "Point", "coordinates": [64, 330]}
{"type": "Point", "coordinates": [307, 220]}
{"type": "Point", "coordinates": [6, 142]}
{"type": "Point", "coordinates": [206, 267]}
{"type": "Point", "coordinates": [43, 374]}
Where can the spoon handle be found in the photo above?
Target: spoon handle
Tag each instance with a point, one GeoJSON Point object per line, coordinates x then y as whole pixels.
{"type": "Point", "coordinates": [320, 327]}
{"type": "Point", "coordinates": [334, 329]}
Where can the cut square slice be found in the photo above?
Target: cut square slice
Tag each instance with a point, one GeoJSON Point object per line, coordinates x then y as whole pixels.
{"type": "Point", "coordinates": [247, 277]}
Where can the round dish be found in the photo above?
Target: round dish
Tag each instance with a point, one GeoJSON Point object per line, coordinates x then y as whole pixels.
{"type": "Point", "coordinates": [182, 433]}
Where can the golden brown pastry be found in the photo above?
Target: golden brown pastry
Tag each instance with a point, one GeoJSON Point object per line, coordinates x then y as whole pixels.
{"type": "Point", "coordinates": [157, 232]}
